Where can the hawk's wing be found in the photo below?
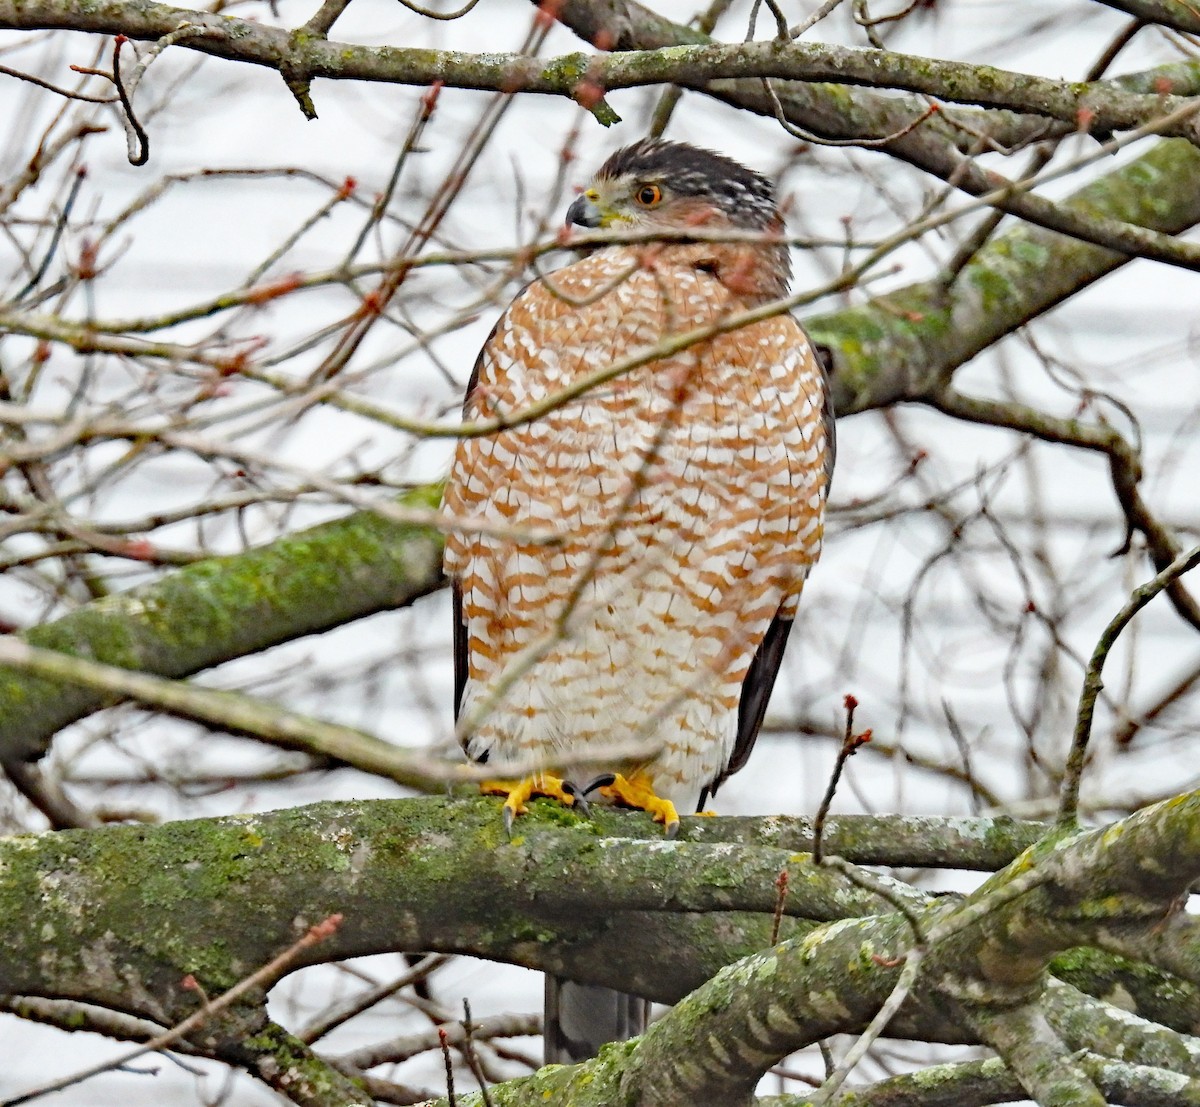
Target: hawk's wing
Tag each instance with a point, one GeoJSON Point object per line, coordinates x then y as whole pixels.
{"type": "Point", "coordinates": [764, 668]}
{"type": "Point", "coordinates": [756, 692]}
{"type": "Point", "coordinates": [461, 639]}
{"type": "Point", "coordinates": [460, 648]}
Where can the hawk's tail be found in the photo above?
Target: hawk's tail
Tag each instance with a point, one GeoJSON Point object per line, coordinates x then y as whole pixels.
{"type": "Point", "coordinates": [580, 1018]}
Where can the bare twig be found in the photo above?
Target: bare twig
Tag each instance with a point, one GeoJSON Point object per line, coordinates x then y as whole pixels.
{"type": "Point", "coordinates": [1092, 682]}
{"type": "Point", "coordinates": [781, 887]}
{"type": "Point", "coordinates": [449, 1063]}
{"type": "Point", "coordinates": [468, 1049]}
{"type": "Point", "coordinates": [330, 1020]}
{"type": "Point", "coordinates": [850, 745]}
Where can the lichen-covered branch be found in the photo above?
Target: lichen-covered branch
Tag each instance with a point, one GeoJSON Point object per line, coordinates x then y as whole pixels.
{"type": "Point", "coordinates": [414, 874]}
{"type": "Point", "coordinates": [304, 54]}
{"type": "Point", "coordinates": [441, 875]}
{"type": "Point", "coordinates": [1141, 1033]}
{"type": "Point", "coordinates": [923, 841]}
{"type": "Point", "coordinates": [1041, 1061]}
{"type": "Point", "coordinates": [983, 954]}
{"type": "Point", "coordinates": [224, 608]}
{"type": "Point", "coordinates": [982, 1083]}
{"type": "Point", "coordinates": [283, 1062]}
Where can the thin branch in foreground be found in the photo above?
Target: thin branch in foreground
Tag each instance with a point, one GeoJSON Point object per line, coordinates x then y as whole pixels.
{"type": "Point", "coordinates": [137, 138]}
{"type": "Point", "coordinates": [850, 744]}
{"type": "Point", "coordinates": [271, 723]}
{"type": "Point", "coordinates": [468, 1048]}
{"type": "Point", "coordinates": [46, 794]}
{"type": "Point", "coordinates": [60, 225]}
{"type": "Point", "coordinates": [1093, 683]}
{"type": "Point", "coordinates": [449, 1062]}
{"type": "Point", "coordinates": [1129, 729]}
{"type": "Point", "coordinates": [329, 1020]}
{"type": "Point", "coordinates": [139, 141]}
{"type": "Point", "coordinates": [798, 29]}
{"type": "Point", "coordinates": [65, 92]}
{"type": "Point", "coordinates": [396, 1050]}
{"type": "Point", "coordinates": [908, 975]}
{"type": "Point", "coordinates": [1125, 468]}
{"type": "Point", "coordinates": [799, 132]}
{"type": "Point", "coordinates": [325, 17]}
{"type": "Point", "coordinates": [781, 887]}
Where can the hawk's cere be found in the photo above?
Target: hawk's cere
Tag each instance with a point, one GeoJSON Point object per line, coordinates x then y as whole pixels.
{"type": "Point", "coordinates": [687, 491]}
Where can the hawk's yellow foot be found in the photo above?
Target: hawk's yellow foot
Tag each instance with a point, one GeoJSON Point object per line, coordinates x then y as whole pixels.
{"type": "Point", "coordinates": [635, 791]}
{"type": "Point", "coordinates": [516, 792]}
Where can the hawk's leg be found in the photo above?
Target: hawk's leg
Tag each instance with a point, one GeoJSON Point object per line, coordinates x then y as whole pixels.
{"type": "Point", "coordinates": [516, 792]}
{"type": "Point", "coordinates": [635, 791]}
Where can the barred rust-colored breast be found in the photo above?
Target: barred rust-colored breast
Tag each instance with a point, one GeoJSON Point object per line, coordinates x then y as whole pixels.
{"type": "Point", "coordinates": [688, 494]}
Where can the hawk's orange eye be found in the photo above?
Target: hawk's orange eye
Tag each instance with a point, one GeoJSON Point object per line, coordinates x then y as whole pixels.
{"type": "Point", "coordinates": [649, 195]}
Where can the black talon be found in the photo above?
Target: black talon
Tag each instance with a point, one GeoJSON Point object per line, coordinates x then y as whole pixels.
{"type": "Point", "coordinates": [602, 781]}
{"type": "Point", "coordinates": [508, 821]}
{"type": "Point", "coordinates": [579, 796]}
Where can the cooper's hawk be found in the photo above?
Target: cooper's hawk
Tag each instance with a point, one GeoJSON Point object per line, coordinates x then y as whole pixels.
{"type": "Point", "coordinates": [686, 486]}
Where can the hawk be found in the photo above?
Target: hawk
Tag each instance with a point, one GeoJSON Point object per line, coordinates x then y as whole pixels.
{"type": "Point", "coordinates": [685, 491]}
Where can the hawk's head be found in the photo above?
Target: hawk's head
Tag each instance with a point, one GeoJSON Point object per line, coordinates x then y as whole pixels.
{"type": "Point", "coordinates": [654, 183]}
{"type": "Point", "coordinates": [670, 186]}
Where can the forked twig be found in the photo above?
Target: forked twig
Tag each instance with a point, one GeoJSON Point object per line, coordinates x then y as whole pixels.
{"type": "Point", "coordinates": [1093, 682]}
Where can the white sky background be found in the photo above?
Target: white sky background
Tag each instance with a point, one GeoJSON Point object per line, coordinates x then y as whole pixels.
{"type": "Point", "coordinates": [1134, 335]}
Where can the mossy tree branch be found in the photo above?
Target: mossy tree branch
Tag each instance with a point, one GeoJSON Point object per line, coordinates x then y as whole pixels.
{"type": "Point", "coordinates": [224, 608]}
{"type": "Point", "coordinates": [983, 954]}
{"type": "Point", "coordinates": [440, 875]}
{"type": "Point", "coordinates": [305, 54]}
{"type": "Point", "coordinates": [982, 1083]}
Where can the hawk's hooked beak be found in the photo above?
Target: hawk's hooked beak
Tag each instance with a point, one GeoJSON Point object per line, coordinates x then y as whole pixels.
{"type": "Point", "coordinates": [584, 212]}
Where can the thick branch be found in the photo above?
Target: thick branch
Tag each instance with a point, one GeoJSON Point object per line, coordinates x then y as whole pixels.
{"type": "Point", "coordinates": [440, 875]}
{"type": "Point", "coordinates": [920, 841]}
{"type": "Point", "coordinates": [1039, 1058]}
{"type": "Point", "coordinates": [985, 952]}
{"type": "Point", "coordinates": [305, 54]}
{"type": "Point", "coordinates": [224, 608]}
{"type": "Point", "coordinates": [982, 954]}
{"type": "Point", "coordinates": [416, 874]}
{"type": "Point", "coordinates": [982, 1083]}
